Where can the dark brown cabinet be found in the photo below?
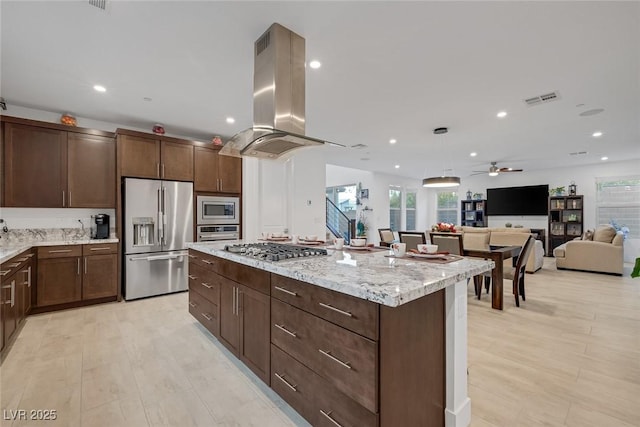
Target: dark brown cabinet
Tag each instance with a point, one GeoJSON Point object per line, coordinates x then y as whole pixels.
{"type": "Point", "coordinates": [473, 213]}
{"type": "Point", "coordinates": [48, 167]}
{"type": "Point", "coordinates": [73, 273]}
{"type": "Point", "coordinates": [216, 173]}
{"type": "Point", "coordinates": [35, 166]}
{"type": "Point", "coordinates": [244, 307]}
{"type": "Point", "coordinates": [15, 294]}
{"type": "Point", "coordinates": [144, 156]}
{"type": "Point", "coordinates": [100, 271]}
{"type": "Point", "coordinates": [565, 220]}
{"type": "Point", "coordinates": [91, 171]}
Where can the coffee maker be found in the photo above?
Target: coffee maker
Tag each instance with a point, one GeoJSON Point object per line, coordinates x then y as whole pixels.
{"type": "Point", "coordinates": [100, 226]}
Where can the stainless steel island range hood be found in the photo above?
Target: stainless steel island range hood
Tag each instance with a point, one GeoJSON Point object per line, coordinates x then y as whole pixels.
{"type": "Point", "coordinates": [278, 99]}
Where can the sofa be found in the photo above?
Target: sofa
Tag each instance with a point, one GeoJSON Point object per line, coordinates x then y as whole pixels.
{"type": "Point", "coordinates": [600, 251]}
{"type": "Point", "coordinates": [482, 237]}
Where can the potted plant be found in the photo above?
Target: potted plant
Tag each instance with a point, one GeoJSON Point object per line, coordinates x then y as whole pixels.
{"type": "Point", "coordinates": [558, 191]}
{"type": "Point", "coordinates": [361, 226]}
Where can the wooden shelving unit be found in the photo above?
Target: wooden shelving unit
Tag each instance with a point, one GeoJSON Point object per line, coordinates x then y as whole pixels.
{"type": "Point", "coordinates": [473, 213]}
{"type": "Point", "coordinates": [565, 220]}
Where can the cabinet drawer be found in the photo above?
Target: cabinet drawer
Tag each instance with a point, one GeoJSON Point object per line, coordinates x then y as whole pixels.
{"type": "Point", "coordinates": [204, 311]}
{"type": "Point", "coordinates": [345, 359]}
{"type": "Point", "coordinates": [205, 282]}
{"type": "Point", "coordinates": [15, 264]}
{"type": "Point", "coordinates": [100, 249]}
{"type": "Point", "coordinates": [207, 261]}
{"type": "Point", "coordinates": [62, 251]}
{"type": "Point", "coordinates": [253, 278]}
{"type": "Point", "coordinates": [353, 313]}
{"type": "Point", "coordinates": [309, 394]}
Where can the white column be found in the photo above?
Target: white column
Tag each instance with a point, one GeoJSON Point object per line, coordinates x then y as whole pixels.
{"type": "Point", "coordinates": [457, 403]}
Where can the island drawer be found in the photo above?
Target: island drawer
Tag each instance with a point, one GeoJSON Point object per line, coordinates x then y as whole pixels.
{"type": "Point", "coordinates": [62, 251]}
{"type": "Point", "coordinates": [100, 249]}
{"type": "Point", "coordinates": [15, 264]}
{"type": "Point", "coordinates": [345, 359]}
{"type": "Point", "coordinates": [204, 311]}
{"type": "Point", "coordinates": [205, 282]}
{"type": "Point", "coordinates": [355, 314]}
{"type": "Point", "coordinates": [205, 260]}
{"type": "Point", "coordinates": [309, 394]}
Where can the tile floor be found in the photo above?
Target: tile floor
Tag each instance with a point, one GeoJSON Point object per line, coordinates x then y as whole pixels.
{"type": "Point", "coordinates": [569, 356]}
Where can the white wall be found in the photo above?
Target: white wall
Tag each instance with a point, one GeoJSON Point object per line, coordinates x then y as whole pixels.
{"type": "Point", "coordinates": [285, 194]}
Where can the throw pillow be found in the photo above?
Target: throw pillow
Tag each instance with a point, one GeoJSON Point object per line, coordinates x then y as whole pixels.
{"type": "Point", "coordinates": [587, 235]}
{"type": "Point", "coordinates": [604, 233]}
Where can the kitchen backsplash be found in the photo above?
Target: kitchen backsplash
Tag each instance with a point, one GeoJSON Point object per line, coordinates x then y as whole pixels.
{"type": "Point", "coordinates": [25, 224]}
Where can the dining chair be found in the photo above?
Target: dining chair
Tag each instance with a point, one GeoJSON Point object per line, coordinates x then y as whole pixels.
{"type": "Point", "coordinates": [386, 236]}
{"type": "Point", "coordinates": [412, 238]}
{"type": "Point", "coordinates": [518, 273]}
{"type": "Point", "coordinates": [450, 242]}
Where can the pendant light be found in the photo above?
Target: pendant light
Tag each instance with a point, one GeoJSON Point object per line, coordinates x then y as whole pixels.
{"type": "Point", "coordinates": [444, 180]}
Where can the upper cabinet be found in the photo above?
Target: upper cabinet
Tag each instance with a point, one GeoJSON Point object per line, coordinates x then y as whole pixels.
{"type": "Point", "coordinates": [147, 156]}
{"type": "Point", "coordinates": [49, 167]}
{"type": "Point", "coordinates": [216, 173]}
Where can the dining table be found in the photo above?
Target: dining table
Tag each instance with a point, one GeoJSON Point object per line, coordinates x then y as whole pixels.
{"type": "Point", "coordinates": [498, 254]}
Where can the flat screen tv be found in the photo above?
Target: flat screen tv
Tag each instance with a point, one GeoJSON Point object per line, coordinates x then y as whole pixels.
{"type": "Point", "coordinates": [529, 200]}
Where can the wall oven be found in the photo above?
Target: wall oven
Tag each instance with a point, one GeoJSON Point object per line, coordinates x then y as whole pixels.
{"type": "Point", "coordinates": [211, 233]}
{"type": "Point", "coordinates": [214, 210]}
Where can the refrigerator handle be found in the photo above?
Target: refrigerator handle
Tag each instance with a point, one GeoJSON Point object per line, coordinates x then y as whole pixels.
{"type": "Point", "coordinates": [164, 212]}
{"type": "Point", "coordinates": [160, 219]}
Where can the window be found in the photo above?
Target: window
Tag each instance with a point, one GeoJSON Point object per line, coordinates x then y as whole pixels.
{"type": "Point", "coordinates": [618, 200]}
{"type": "Point", "coordinates": [395, 208]}
{"type": "Point", "coordinates": [410, 207]}
{"type": "Point", "coordinates": [343, 196]}
{"type": "Point", "coordinates": [447, 210]}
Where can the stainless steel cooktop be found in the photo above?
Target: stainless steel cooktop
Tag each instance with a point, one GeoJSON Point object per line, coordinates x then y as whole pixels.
{"type": "Point", "coordinates": [274, 251]}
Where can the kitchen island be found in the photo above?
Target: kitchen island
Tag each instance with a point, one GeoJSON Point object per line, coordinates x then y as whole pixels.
{"type": "Point", "coordinates": [348, 338]}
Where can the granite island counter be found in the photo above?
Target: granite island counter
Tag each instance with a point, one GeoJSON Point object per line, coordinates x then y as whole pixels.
{"type": "Point", "coordinates": [350, 338]}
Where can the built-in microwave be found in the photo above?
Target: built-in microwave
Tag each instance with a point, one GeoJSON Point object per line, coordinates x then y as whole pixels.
{"type": "Point", "coordinates": [218, 210]}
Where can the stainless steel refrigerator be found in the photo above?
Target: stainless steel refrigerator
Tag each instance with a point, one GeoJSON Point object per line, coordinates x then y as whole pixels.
{"type": "Point", "coordinates": [158, 222]}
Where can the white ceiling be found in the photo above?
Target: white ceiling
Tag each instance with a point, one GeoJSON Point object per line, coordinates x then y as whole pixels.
{"type": "Point", "coordinates": [390, 70]}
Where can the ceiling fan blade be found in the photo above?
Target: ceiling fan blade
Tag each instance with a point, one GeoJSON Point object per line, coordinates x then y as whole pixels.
{"type": "Point", "coordinates": [501, 170]}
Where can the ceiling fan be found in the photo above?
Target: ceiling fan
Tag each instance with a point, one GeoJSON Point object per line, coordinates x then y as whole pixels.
{"type": "Point", "coordinates": [495, 170]}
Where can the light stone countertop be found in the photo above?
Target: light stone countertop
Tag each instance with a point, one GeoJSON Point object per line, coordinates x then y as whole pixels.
{"type": "Point", "coordinates": [368, 275]}
{"type": "Point", "coordinates": [11, 250]}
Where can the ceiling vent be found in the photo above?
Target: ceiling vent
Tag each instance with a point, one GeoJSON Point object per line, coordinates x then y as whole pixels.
{"type": "Point", "coordinates": [100, 4]}
{"type": "Point", "coordinates": [578, 153]}
{"type": "Point", "coordinates": [359, 146]}
{"type": "Point", "coordinates": [541, 99]}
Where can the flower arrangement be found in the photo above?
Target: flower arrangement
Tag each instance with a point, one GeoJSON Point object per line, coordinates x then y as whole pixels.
{"type": "Point", "coordinates": [361, 225]}
{"type": "Point", "coordinates": [444, 226]}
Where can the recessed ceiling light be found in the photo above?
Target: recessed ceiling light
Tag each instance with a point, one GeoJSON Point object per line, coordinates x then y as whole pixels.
{"type": "Point", "coordinates": [392, 141]}
{"type": "Point", "coordinates": [315, 64]}
{"type": "Point", "coordinates": [473, 154]}
{"type": "Point", "coordinates": [604, 158]}
{"type": "Point", "coordinates": [596, 134]}
{"type": "Point", "coordinates": [146, 98]}
{"type": "Point", "coordinates": [501, 114]}
{"type": "Point", "coordinates": [397, 166]}
{"type": "Point", "coordinates": [99, 88]}
{"type": "Point", "coordinates": [231, 120]}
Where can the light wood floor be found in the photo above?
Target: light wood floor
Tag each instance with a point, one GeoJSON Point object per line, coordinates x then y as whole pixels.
{"type": "Point", "coordinates": [569, 356]}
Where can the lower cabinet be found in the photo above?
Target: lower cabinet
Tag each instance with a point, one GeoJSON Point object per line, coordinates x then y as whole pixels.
{"type": "Point", "coordinates": [74, 273]}
{"type": "Point", "coordinates": [244, 312]}
{"type": "Point", "coordinates": [15, 294]}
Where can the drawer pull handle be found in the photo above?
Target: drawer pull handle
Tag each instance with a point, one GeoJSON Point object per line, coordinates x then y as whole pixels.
{"type": "Point", "coordinates": [285, 330]}
{"type": "Point", "coordinates": [209, 318]}
{"type": "Point", "coordinates": [193, 304]}
{"type": "Point", "coordinates": [206, 261]}
{"type": "Point", "coordinates": [206, 285]}
{"type": "Point", "coordinates": [191, 256]}
{"type": "Point", "coordinates": [30, 255]}
{"type": "Point", "coordinates": [335, 359]}
{"type": "Point", "coordinates": [287, 383]}
{"type": "Point", "coordinates": [330, 307]}
{"type": "Point", "coordinates": [60, 251]}
{"type": "Point", "coordinates": [99, 249]}
{"type": "Point", "coordinates": [330, 418]}
{"type": "Point", "coordinates": [5, 272]}
{"type": "Point", "coordinates": [192, 277]}
{"type": "Point", "coordinates": [286, 291]}
{"type": "Point", "coordinates": [13, 265]}
{"type": "Point", "coordinates": [23, 259]}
